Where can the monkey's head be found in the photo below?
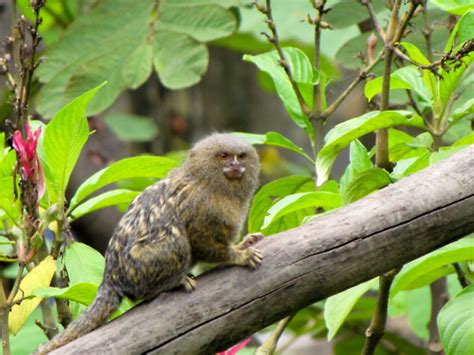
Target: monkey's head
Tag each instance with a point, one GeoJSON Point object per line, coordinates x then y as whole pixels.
{"type": "Point", "coordinates": [227, 162]}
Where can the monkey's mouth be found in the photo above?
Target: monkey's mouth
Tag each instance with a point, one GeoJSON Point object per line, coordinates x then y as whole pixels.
{"type": "Point", "coordinates": [234, 172]}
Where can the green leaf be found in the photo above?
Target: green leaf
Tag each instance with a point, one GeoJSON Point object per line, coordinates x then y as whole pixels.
{"type": "Point", "coordinates": [183, 70]}
{"type": "Point", "coordinates": [365, 183]}
{"type": "Point", "coordinates": [469, 139]}
{"type": "Point", "coordinates": [342, 134]}
{"type": "Point", "coordinates": [62, 144]}
{"type": "Point", "coordinates": [83, 264]}
{"type": "Point", "coordinates": [299, 201]}
{"type": "Point", "coordinates": [275, 139]}
{"type": "Point", "coordinates": [269, 194]}
{"type": "Point", "coordinates": [407, 279]}
{"type": "Point", "coordinates": [107, 199]}
{"type": "Point", "coordinates": [404, 78]}
{"type": "Point", "coordinates": [39, 276]}
{"type": "Point", "coordinates": [455, 323]}
{"type": "Point", "coordinates": [136, 167]}
{"type": "Point", "coordinates": [428, 77]}
{"type": "Point", "coordinates": [449, 82]}
{"type": "Point", "coordinates": [138, 66]}
{"type": "Point", "coordinates": [338, 307]}
{"type": "Point", "coordinates": [359, 162]}
{"type": "Point", "coordinates": [83, 292]}
{"type": "Point", "coordinates": [7, 163]}
{"type": "Point", "coordinates": [462, 31]}
{"type": "Point", "coordinates": [410, 166]}
{"type": "Point", "coordinates": [466, 109]}
{"type": "Point", "coordinates": [119, 39]}
{"type": "Point", "coordinates": [132, 128]}
{"type": "Point", "coordinates": [455, 7]}
{"type": "Point", "coordinates": [397, 144]}
{"type": "Point", "coordinates": [304, 76]}
{"type": "Point", "coordinates": [445, 152]}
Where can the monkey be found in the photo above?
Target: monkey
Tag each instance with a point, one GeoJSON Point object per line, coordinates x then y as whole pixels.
{"type": "Point", "coordinates": [194, 214]}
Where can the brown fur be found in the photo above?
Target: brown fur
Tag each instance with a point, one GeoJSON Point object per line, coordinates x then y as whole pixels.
{"type": "Point", "coordinates": [192, 215]}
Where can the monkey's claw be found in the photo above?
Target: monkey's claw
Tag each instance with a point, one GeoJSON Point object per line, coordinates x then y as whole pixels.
{"type": "Point", "coordinates": [188, 283]}
{"type": "Point", "coordinates": [255, 258]}
{"type": "Point", "coordinates": [250, 240]}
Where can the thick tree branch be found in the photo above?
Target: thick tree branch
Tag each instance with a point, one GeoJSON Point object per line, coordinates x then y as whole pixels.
{"type": "Point", "coordinates": [304, 265]}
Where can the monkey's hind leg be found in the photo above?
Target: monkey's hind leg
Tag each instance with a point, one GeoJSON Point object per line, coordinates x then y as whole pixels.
{"type": "Point", "coordinates": [188, 283]}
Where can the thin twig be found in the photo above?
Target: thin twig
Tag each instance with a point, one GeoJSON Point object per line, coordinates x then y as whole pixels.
{"type": "Point", "coordinates": [269, 345]}
{"type": "Point", "coordinates": [318, 119]}
{"type": "Point", "coordinates": [439, 297]}
{"type": "Point", "coordinates": [376, 329]}
{"type": "Point", "coordinates": [4, 312]}
{"type": "Point", "coordinates": [362, 76]}
{"type": "Point", "coordinates": [427, 30]}
{"type": "Point", "coordinates": [461, 275]}
{"type": "Point", "coordinates": [274, 39]}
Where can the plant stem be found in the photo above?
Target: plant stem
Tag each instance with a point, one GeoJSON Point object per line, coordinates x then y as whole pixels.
{"type": "Point", "coordinates": [461, 275]}
{"type": "Point", "coordinates": [269, 345]}
{"type": "Point", "coordinates": [4, 313]}
{"type": "Point", "coordinates": [427, 30]}
{"type": "Point", "coordinates": [439, 297]}
{"type": "Point", "coordinates": [318, 120]}
{"type": "Point", "coordinates": [376, 328]}
{"type": "Point", "coordinates": [381, 155]}
{"type": "Point", "coordinates": [362, 75]}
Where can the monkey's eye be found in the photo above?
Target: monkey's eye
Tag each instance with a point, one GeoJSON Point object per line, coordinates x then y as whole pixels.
{"type": "Point", "coordinates": [223, 155]}
{"type": "Point", "coordinates": [242, 155]}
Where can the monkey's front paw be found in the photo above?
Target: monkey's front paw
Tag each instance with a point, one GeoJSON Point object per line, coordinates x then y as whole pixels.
{"type": "Point", "coordinates": [255, 258]}
{"type": "Point", "coordinates": [188, 283]}
{"type": "Point", "coordinates": [250, 240]}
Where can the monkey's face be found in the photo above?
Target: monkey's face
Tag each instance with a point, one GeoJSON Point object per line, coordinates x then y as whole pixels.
{"type": "Point", "coordinates": [225, 162]}
{"type": "Point", "coordinates": [233, 164]}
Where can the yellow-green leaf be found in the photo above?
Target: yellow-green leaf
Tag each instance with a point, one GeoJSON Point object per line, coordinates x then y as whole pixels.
{"type": "Point", "coordinates": [40, 276]}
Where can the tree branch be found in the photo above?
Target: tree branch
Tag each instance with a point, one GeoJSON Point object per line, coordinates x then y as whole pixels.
{"type": "Point", "coordinates": [304, 265]}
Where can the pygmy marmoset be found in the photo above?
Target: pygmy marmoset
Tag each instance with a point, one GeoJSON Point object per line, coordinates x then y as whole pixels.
{"type": "Point", "coordinates": [192, 215]}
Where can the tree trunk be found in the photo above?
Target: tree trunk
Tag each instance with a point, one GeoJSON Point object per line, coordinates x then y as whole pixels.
{"type": "Point", "coordinates": [301, 266]}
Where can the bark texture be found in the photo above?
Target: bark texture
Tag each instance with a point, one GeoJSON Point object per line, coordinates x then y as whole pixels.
{"type": "Point", "coordinates": [301, 266]}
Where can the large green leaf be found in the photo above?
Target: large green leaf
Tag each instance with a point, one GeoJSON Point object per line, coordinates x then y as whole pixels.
{"type": "Point", "coordinates": [83, 264]}
{"type": "Point", "coordinates": [62, 144]}
{"type": "Point", "coordinates": [110, 198]}
{"type": "Point", "coordinates": [303, 73]}
{"type": "Point", "coordinates": [409, 277]}
{"type": "Point", "coordinates": [338, 307]}
{"type": "Point", "coordinates": [83, 292]}
{"type": "Point", "coordinates": [411, 165]}
{"type": "Point", "coordinates": [359, 162]}
{"type": "Point", "coordinates": [456, 323]}
{"type": "Point", "coordinates": [365, 183]}
{"type": "Point", "coordinates": [136, 167]}
{"type": "Point", "coordinates": [269, 194]}
{"type": "Point", "coordinates": [416, 55]}
{"type": "Point", "coordinates": [404, 78]}
{"type": "Point", "coordinates": [462, 31]}
{"type": "Point", "coordinates": [275, 139]}
{"type": "Point", "coordinates": [132, 128]}
{"type": "Point", "coordinates": [118, 40]}
{"type": "Point", "coordinates": [342, 134]}
{"type": "Point", "coordinates": [450, 79]}
{"type": "Point", "coordinates": [300, 201]}
{"type": "Point", "coordinates": [456, 7]}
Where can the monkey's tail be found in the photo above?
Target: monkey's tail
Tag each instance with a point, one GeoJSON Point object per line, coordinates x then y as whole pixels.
{"type": "Point", "coordinates": [105, 304]}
